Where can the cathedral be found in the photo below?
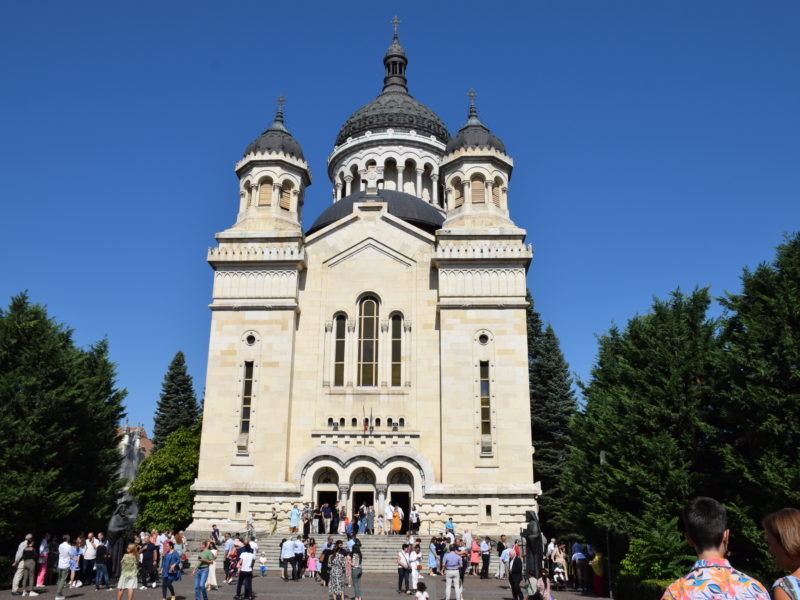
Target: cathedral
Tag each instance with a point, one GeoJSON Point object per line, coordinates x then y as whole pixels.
{"type": "Point", "coordinates": [378, 354]}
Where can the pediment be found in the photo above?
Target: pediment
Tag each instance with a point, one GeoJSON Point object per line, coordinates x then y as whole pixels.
{"type": "Point", "coordinates": [369, 248]}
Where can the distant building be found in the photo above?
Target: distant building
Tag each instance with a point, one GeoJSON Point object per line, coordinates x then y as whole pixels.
{"type": "Point", "coordinates": [137, 436]}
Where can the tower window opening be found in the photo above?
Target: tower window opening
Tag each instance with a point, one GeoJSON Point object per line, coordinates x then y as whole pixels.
{"type": "Point", "coordinates": [265, 192]}
{"type": "Point", "coordinates": [458, 193]}
{"type": "Point", "coordinates": [478, 190]}
{"type": "Point", "coordinates": [286, 195]}
{"type": "Point", "coordinates": [247, 399]}
{"type": "Point", "coordinates": [496, 191]}
{"type": "Point", "coordinates": [486, 408]}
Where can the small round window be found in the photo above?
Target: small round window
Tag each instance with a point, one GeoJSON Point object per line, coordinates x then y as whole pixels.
{"type": "Point", "coordinates": [483, 339]}
{"type": "Point", "coordinates": [250, 339]}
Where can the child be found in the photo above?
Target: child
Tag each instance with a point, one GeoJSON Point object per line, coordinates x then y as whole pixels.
{"type": "Point", "coordinates": [543, 586]}
{"type": "Point", "coordinates": [380, 525]}
{"type": "Point", "coordinates": [262, 564]}
{"type": "Point", "coordinates": [421, 593]}
{"type": "Point", "coordinates": [782, 529]}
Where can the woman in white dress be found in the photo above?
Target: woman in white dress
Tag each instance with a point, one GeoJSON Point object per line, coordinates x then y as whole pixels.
{"type": "Point", "coordinates": [211, 583]}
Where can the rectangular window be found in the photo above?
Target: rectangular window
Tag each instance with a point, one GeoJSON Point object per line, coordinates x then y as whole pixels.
{"type": "Point", "coordinates": [486, 408]}
{"type": "Point", "coordinates": [488, 510]}
{"type": "Point", "coordinates": [247, 399]}
{"type": "Point", "coordinates": [338, 352]}
{"type": "Point", "coordinates": [397, 329]}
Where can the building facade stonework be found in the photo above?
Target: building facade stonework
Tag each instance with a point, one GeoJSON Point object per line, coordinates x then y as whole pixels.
{"type": "Point", "coordinates": [379, 354]}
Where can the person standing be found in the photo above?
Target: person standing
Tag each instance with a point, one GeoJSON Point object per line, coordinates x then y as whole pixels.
{"type": "Point", "coordinates": [64, 554]}
{"type": "Point", "coordinates": [215, 534]}
{"type": "Point", "coordinates": [211, 582]}
{"type": "Point", "coordinates": [337, 572]}
{"type": "Point", "coordinates": [44, 553]}
{"type": "Point", "coordinates": [149, 563]}
{"type": "Point", "coordinates": [782, 529]}
{"type": "Point", "coordinates": [486, 553]}
{"type": "Point", "coordinates": [451, 565]}
{"type": "Point", "coordinates": [415, 564]}
{"type": "Point", "coordinates": [396, 520]}
{"type": "Point", "coordinates": [287, 557]}
{"type": "Point", "coordinates": [246, 560]}
{"type": "Point", "coordinates": [273, 522]}
{"type": "Point", "coordinates": [227, 548]}
{"type": "Point", "coordinates": [29, 556]}
{"type": "Point", "coordinates": [704, 524]}
{"type": "Point", "coordinates": [15, 582]}
{"type": "Point", "coordinates": [413, 522]}
{"type": "Point", "coordinates": [201, 572]}
{"type": "Point", "coordinates": [501, 546]}
{"type": "Point", "coordinates": [170, 570]}
{"type": "Point", "coordinates": [129, 567]}
{"type": "Point", "coordinates": [294, 519]}
{"type": "Point", "coordinates": [403, 569]}
{"type": "Point", "coordinates": [515, 574]}
{"type": "Point", "coordinates": [89, 556]}
{"type": "Point", "coordinates": [356, 560]}
{"type": "Point", "coordinates": [251, 525]}
{"type": "Point", "coordinates": [101, 565]}
{"type": "Point", "coordinates": [299, 558]}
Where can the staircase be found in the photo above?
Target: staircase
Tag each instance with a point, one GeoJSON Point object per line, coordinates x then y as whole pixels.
{"type": "Point", "coordinates": [378, 551]}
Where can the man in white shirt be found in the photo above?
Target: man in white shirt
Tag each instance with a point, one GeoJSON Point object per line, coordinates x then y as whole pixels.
{"type": "Point", "coordinates": [287, 556]}
{"type": "Point", "coordinates": [20, 565]}
{"type": "Point", "coordinates": [486, 550]}
{"type": "Point", "coordinates": [64, 551]}
{"type": "Point", "coordinates": [89, 555]}
{"type": "Point", "coordinates": [299, 555]}
{"type": "Point", "coordinates": [246, 560]}
{"type": "Point", "coordinates": [388, 515]}
{"type": "Point", "coordinates": [403, 569]}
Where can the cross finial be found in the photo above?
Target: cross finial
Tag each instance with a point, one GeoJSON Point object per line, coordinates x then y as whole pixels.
{"type": "Point", "coordinates": [473, 112]}
{"type": "Point", "coordinates": [395, 22]}
{"type": "Point", "coordinates": [279, 112]}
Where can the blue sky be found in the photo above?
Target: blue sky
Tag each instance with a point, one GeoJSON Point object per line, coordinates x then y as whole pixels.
{"type": "Point", "coordinates": [656, 145]}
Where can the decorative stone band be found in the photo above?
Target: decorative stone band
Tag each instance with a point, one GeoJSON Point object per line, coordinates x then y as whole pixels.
{"type": "Point", "coordinates": [504, 252]}
{"type": "Point", "coordinates": [272, 157]}
{"type": "Point", "coordinates": [237, 283]}
{"type": "Point", "coordinates": [470, 152]}
{"type": "Point", "coordinates": [386, 138]}
{"type": "Point", "coordinates": [231, 253]}
{"type": "Point", "coordinates": [482, 281]}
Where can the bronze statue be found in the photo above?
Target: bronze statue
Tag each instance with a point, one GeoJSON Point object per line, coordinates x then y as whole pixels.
{"type": "Point", "coordinates": [533, 544]}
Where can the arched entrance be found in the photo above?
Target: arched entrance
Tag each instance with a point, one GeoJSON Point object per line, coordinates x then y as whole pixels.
{"type": "Point", "coordinates": [362, 489]}
{"type": "Point", "coordinates": [326, 487]}
{"type": "Point", "coordinates": [401, 493]}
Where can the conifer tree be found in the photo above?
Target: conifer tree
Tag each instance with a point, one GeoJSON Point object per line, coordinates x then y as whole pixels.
{"type": "Point", "coordinates": [759, 400]}
{"type": "Point", "coordinates": [552, 406]}
{"type": "Point", "coordinates": [177, 406]}
{"type": "Point", "coordinates": [60, 408]}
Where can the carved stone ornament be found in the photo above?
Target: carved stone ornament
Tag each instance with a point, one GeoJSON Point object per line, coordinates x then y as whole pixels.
{"type": "Point", "coordinates": [328, 326]}
{"type": "Point", "coordinates": [384, 326]}
{"type": "Point", "coordinates": [351, 325]}
{"type": "Point", "coordinates": [406, 325]}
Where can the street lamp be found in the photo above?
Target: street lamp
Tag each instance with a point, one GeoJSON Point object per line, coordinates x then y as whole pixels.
{"type": "Point", "coordinates": [603, 462]}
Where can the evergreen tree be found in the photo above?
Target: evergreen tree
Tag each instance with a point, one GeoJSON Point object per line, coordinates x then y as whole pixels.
{"type": "Point", "coordinates": [759, 402]}
{"type": "Point", "coordinates": [177, 406]}
{"type": "Point", "coordinates": [60, 408]}
{"type": "Point", "coordinates": [162, 486]}
{"type": "Point", "coordinates": [552, 406]}
{"type": "Point", "coordinates": [648, 406]}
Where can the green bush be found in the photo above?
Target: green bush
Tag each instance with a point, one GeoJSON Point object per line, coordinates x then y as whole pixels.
{"type": "Point", "coordinates": [6, 572]}
{"type": "Point", "coordinates": [659, 552]}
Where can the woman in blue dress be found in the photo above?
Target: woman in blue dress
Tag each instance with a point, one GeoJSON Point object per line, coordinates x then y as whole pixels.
{"type": "Point", "coordinates": [432, 557]}
{"type": "Point", "coordinates": [170, 571]}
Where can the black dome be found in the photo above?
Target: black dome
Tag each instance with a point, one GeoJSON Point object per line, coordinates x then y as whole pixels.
{"type": "Point", "coordinates": [395, 108]}
{"type": "Point", "coordinates": [276, 139]}
{"type": "Point", "coordinates": [403, 206]}
{"type": "Point", "coordinates": [474, 134]}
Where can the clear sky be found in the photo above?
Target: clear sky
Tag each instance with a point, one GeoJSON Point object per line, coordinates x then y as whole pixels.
{"type": "Point", "coordinates": [656, 145]}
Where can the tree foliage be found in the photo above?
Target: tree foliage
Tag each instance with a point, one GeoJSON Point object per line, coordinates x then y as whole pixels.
{"type": "Point", "coordinates": [60, 408]}
{"type": "Point", "coordinates": [162, 486]}
{"type": "Point", "coordinates": [552, 404]}
{"type": "Point", "coordinates": [177, 406]}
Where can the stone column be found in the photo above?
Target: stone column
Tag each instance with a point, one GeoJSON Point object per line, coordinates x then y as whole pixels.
{"type": "Point", "coordinates": [338, 190]}
{"type": "Point", "coordinates": [381, 489]}
{"type": "Point", "coordinates": [467, 199]}
{"type": "Point", "coordinates": [418, 188]}
{"type": "Point", "coordinates": [327, 358]}
{"type": "Point", "coordinates": [504, 198]}
{"type": "Point", "coordinates": [435, 189]}
{"type": "Point", "coordinates": [348, 183]}
{"type": "Point", "coordinates": [362, 184]}
{"type": "Point", "coordinates": [351, 366]}
{"type": "Point", "coordinates": [489, 186]}
{"type": "Point", "coordinates": [344, 496]}
{"type": "Point", "coordinates": [400, 169]}
{"type": "Point", "coordinates": [276, 197]}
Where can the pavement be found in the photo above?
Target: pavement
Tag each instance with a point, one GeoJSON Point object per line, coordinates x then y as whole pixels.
{"type": "Point", "coordinates": [376, 586]}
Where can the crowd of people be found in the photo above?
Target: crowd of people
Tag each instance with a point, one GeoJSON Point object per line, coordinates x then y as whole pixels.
{"type": "Point", "coordinates": [154, 558]}
{"type": "Point", "coordinates": [336, 520]}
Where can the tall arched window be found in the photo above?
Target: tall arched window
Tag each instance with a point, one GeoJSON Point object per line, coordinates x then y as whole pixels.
{"type": "Point", "coordinates": [265, 192]}
{"type": "Point", "coordinates": [458, 193]}
{"type": "Point", "coordinates": [397, 347]}
{"type": "Point", "coordinates": [498, 183]}
{"type": "Point", "coordinates": [368, 342]}
{"type": "Point", "coordinates": [286, 195]}
{"type": "Point", "coordinates": [338, 350]}
{"type": "Point", "coordinates": [478, 190]}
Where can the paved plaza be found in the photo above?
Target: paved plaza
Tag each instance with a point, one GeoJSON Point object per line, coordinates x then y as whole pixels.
{"type": "Point", "coordinates": [380, 586]}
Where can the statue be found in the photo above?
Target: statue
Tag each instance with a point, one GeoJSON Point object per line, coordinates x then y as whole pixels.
{"type": "Point", "coordinates": [120, 525]}
{"type": "Point", "coordinates": [533, 544]}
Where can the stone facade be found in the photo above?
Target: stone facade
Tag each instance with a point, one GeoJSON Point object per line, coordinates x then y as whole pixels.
{"type": "Point", "coordinates": [374, 356]}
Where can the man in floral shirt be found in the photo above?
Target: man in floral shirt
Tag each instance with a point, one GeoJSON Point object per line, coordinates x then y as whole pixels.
{"type": "Point", "coordinates": [704, 523]}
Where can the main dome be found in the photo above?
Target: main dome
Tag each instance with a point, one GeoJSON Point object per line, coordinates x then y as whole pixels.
{"type": "Point", "coordinates": [395, 108]}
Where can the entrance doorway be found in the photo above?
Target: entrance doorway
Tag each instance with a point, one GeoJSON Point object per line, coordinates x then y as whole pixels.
{"type": "Point", "coordinates": [366, 498]}
{"type": "Point", "coordinates": [403, 500]}
{"type": "Point", "coordinates": [331, 498]}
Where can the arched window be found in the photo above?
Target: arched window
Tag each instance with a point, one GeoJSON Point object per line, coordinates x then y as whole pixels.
{"type": "Point", "coordinates": [397, 347]}
{"type": "Point", "coordinates": [338, 350]}
{"type": "Point", "coordinates": [286, 195]}
{"type": "Point", "coordinates": [401, 422]}
{"type": "Point", "coordinates": [368, 342]}
{"type": "Point", "coordinates": [498, 183]}
{"type": "Point", "coordinates": [389, 422]}
{"type": "Point", "coordinates": [341, 422]}
{"type": "Point", "coordinates": [378, 422]}
{"type": "Point", "coordinates": [354, 422]}
{"type": "Point", "coordinates": [265, 192]}
{"type": "Point", "coordinates": [478, 190]}
{"type": "Point", "coordinates": [330, 421]}
{"type": "Point", "coordinates": [458, 193]}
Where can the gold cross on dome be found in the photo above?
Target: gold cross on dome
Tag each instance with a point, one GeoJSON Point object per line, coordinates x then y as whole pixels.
{"type": "Point", "coordinates": [472, 95]}
{"type": "Point", "coordinates": [395, 22]}
{"type": "Point", "coordinates": [281, 101]}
